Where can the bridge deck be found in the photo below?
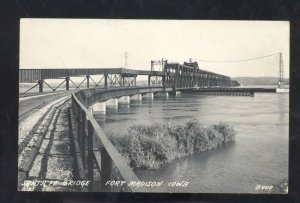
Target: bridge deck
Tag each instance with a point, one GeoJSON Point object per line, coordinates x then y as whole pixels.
{"type": "Point", "coordinates": [33, 75]}
{"type": "Point", "coordinates": [228, 89]}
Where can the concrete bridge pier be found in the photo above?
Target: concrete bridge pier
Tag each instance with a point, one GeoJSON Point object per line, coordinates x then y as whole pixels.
{"type": "Point", "coordinates": [124, 100]}
{"type": "Point", "coordinates": [148, 95]}
{"type": "Point", "coordinates": [162, 94]}
{"type": "Point", "coordinates": [98, 108]}
{"type": "Point", "coordinates": [112, 103]}
{"type": "Point", "coordinates": [176, 93]}
{"type": "Point", "coordinates": [136, 97]}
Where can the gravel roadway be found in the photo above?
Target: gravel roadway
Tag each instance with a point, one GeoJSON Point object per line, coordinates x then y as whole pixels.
{"type": "Point", "coordinates": [45, 152]}
{"type": "Point", "coordinates": [28, 105]}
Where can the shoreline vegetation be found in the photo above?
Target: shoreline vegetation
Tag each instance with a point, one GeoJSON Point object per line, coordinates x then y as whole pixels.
{"type": "Point", "coordinates": [151, 146]}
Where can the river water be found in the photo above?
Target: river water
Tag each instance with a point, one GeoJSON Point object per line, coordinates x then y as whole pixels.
{"type": "Point", "coordinates": [258, 157]}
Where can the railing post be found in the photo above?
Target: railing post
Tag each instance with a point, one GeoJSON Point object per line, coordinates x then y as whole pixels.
{"type": "Point", "coordinates": [41, 82]}
{"type": "Point", "coordinates": [106, 167]}
{"type": "Point", "coordinates": [105, 80]}
{"type": "Point", "coordinates": [90, 155]}
{"type": "Point", "coordinates": [78, 118]}
{"type": "Point", "coordinates": [149, 80]}
{"type": "Point", "coordinates": [83, 137]}
{"type": "Point", "coordinates": [72, 100]}
{"type": "Point", "coordinates": [88, 81]}
{"type": "Point", "coordinates": [67, 83]}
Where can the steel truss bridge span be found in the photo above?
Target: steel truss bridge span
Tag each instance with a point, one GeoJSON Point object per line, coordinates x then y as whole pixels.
{"type": "Point", "coordinates": [172, 75]}
{"type": "Point", "coordinates": [33, 75]}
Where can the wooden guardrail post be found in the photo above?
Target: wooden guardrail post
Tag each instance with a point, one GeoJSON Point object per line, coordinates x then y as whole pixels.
{"type": "Point", "coordinates": [78, 119]}
{"type": "Point", "coordinates": [106, 168]}
{"type": "Point", "coordinates": [90, 155]}
{"type": "Point", "coordinates": [83, 137]}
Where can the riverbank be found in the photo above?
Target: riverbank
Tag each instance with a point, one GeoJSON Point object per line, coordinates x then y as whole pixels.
{"type": "Point", "coordinates": [151, 146]}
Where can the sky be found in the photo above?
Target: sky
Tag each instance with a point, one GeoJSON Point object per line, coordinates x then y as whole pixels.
{"type": "Point", "coordinates": [101, 43]}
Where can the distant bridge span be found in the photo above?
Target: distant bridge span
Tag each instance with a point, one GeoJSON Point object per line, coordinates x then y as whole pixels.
{"type": "Point", "coordinates": [173, 75]}
{"type": "Point", "coordinates": [33, 75]}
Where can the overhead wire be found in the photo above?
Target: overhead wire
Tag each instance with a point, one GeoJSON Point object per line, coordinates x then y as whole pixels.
{"type": "Point", "coordinates": [234, 61]}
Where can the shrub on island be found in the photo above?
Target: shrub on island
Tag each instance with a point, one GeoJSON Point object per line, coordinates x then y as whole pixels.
{"type": "Point", "coordinates": [150, 146]}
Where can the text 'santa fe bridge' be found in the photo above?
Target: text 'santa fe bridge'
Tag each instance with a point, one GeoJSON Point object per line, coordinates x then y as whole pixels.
{"type": "Point", "coordinates": [95, 158]}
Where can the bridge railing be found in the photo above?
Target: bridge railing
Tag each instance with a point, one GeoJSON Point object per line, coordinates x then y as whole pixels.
{"type": "Point", "coordinates": [88, 97]}
{"type": "Point", "coordinates": [100, 161]}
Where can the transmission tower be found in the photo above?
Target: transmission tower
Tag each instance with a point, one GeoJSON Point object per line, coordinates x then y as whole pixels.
{"type": "Point", "coordinates": [280, 72]}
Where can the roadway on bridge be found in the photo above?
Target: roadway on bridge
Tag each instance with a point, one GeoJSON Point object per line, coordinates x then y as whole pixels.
{"type": "Point", "coordinates": [44, 143]}
{"type": "Point", "coordinates": [30, 104]}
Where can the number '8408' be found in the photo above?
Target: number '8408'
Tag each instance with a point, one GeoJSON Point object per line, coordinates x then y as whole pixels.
{"type": "Point", "coordinates": [263, 187]}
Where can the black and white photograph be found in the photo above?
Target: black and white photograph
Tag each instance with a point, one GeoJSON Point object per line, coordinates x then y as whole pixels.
{"type": "Point", "coordinates": [153, 106]}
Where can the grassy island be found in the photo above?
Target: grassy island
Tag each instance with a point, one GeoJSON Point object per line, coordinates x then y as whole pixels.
{"type": "Point", "coordinates": [150, 146]}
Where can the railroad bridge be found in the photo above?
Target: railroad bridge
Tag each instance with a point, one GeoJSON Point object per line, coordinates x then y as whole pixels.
{"type": "Point", "coordinates": [92, 147]}
{"type": "Point", "coordinates": [174, 75]}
